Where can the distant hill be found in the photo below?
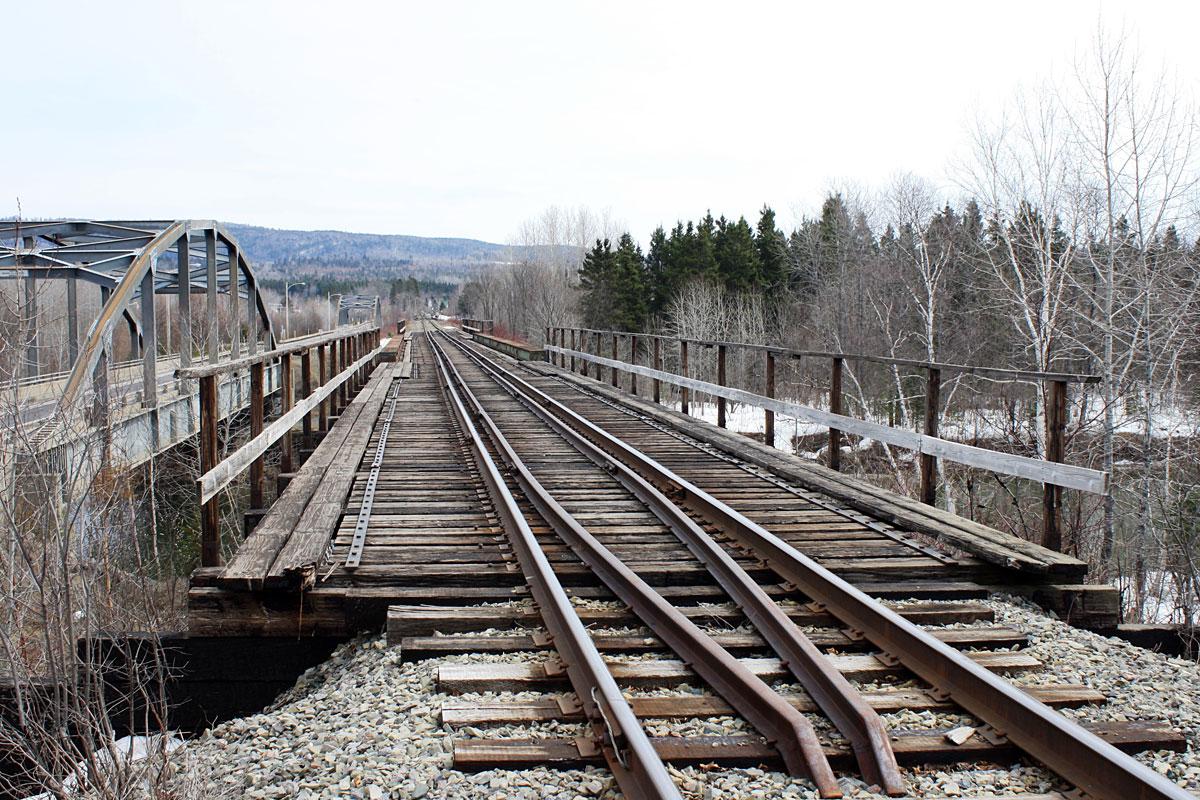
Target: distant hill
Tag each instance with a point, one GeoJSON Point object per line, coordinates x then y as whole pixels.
{"type": "Point", "coordinates": [278, 246]}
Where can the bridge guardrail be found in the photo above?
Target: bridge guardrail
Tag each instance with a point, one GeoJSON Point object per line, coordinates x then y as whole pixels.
{"type": "Point", "coordinates": [1050, 471]}
{"type": "Point", "coordinates": [343, 357]}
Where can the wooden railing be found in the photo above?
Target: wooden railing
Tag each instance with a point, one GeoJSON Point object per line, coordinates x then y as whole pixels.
{"type": "Point", "coordinates": [478, 325]}
{"type": "Point", "coordinates": [568, 347]}
{"type": "Point", "coordinates": [343, 357]}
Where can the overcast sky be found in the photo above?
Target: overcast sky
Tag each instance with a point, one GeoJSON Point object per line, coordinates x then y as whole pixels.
{"type": "Point", "coordinates": [463, 119]}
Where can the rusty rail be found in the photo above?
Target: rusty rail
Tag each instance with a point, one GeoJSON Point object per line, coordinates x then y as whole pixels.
{"type": "Point", "coordinates": [1081, 757]}
{"type": "Point", "coordinates": [630, 756]}
{"type": "Point", "coordinates": [832, 692]}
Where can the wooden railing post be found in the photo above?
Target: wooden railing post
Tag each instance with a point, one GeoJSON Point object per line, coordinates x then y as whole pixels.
{"type": "Point", "coordinates": [657, 366]}
{"type": "Point", "coordinates": [614, 357]}
{"type": "Point", "coordinates": [633, 344]}
{"type": "Point", "coordinates": [305, 390]}
{"type": "Point", "coordinates": [1056, 445]}
{"type": "Point", "coordinates": [933, 392]}
{"type": "Point", "coordinates": [258, 402]}
{"type": "Point", "coordinates": [768, 414]}
{"type": "Point", "coordinates": [720, 382]}
{"type": "Point", "coordinates": [285, 405]}
{"type": "Point", "coordinates": [573, 348]}
{"type": "Point", "coordinates": [549, 340]}
{"type": "Point", "coordinates": [683, 370]}
{"type": "Point", "coordinates": [835, 407]}
{"type": "Point", "coordinates": [210, 512]}
{"type": "Point", "coordinates": [341, 366]}
{"type": "Point", "coordinates": [322, 378]}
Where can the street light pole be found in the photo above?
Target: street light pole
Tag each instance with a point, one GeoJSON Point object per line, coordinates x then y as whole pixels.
{"type": "Point", "coordinates": [287, 316]}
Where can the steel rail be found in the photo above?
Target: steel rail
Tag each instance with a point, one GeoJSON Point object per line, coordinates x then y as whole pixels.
{"type": "Point", "coordinates": [1078, 755]}
{"type": "Point", "coordinates": [832, 692]}
{"type": "Point", "coordinates": [633, 761]}
{"type": "Point", "coordinates": [784, 727]}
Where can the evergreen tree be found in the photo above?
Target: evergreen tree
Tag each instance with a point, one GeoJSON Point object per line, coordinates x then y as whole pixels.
{"type": "Point", "coordinates": [596, 280]}
{"type": "Point", "coordinates": [629, 301]}
{"type": "Point", "coordinates": [658, 261]}
{"type": "Point", "coordinates": [736, 256]}
{"type": "Point", "coordinates": [772, 251]}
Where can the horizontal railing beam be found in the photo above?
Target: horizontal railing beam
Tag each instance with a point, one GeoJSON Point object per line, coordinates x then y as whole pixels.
{"type": "Point", "coordinates": [999, 373]}
{"type": "Point", "coordinates": [1070, 477]}
{"type": "Point", "coordinates": [222, 474]}
{"type": "Point", "coordinates": [294, 346]}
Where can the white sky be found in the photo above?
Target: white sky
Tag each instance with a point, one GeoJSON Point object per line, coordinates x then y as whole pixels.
{"type": "Point", "coordinates": [463, 119]}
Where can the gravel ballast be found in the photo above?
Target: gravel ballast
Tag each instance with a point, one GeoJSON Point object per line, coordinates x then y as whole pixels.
{"type": "Point", "coordinates": [366, 724]}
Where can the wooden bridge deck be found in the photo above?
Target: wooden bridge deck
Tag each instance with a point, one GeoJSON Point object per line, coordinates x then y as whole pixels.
{"type": "Point", "coordinates": [432, 536]}
{"type": "Point", "coordinates": [454, 485]}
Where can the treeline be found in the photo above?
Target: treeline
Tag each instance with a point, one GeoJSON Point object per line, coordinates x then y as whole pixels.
{"type": "Point", "coordinates": [624, 289]}
{"type": "Point", "coordinates": [910, 284]}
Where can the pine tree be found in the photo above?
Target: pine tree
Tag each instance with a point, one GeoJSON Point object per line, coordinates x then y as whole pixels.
{"type": "Point", "coordinates": [658, 259]}
{"type": "Point", "coordinates": [772, 252]}
{"type": "Point", "coordinates": [737, 256]}
{"type": "Point", "coordinates": [596, 281]}
{"type": "Point", "coordinates": [629, 301]}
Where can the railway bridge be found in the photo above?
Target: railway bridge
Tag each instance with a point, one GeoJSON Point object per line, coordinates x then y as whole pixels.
{"type": "Point", "coordinates": [476, 496]}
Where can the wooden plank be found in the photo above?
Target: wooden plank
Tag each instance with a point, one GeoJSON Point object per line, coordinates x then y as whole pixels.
{"type": "Point", "coordinates": [1068, 476]}
{"type": "Point", "coordinates": [504, 711]}
{"type": "Point", "coordinates": [517, 677]}
{"type": "Point", "coordinates": [426, 620]}
{"type": "Point", "coordinates": [419, 647]}
{"type": "Point", "coordinates": [321, 515]}
{"type": "Point", "coordinates": [909, 747]}
{"type": "Point", "coordinates": [253, 560]}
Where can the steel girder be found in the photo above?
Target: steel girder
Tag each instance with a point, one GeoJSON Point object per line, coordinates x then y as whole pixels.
{"type": "Point", "coordinates": [122, 257]}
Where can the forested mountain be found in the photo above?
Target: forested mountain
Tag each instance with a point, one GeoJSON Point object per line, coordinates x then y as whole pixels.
{"type": "Point", "coordinates": [280, 253]}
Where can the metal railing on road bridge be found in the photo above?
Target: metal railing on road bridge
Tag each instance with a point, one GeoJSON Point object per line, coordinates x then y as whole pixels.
{"type": "Point", "coordinates": [343, 356]}
{"type": "Point", "coordinates": [1050, 471]}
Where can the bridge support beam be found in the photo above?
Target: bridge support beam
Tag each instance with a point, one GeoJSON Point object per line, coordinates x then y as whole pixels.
{"type": "Point", "coordinates": [683, 370]}
{"type": "Point", "coordinates": [286, 464]}
{"type": "Point", "coordinates": [1056, 445]}
{"type": "Point", "coordinates": [257, 414]}
{"type": "Point", "coordinates": [72, 319]}
{"type": "Point", "coordinates": [210, 306]}
{"type": "Point", "coordinates": [210, 512]}
{"type": "Point", "coordinates": [30, 313]}
{"type": "Point", "coordinates": [835, 407]}
{"type": "Point", "coordinates": [720, 382]}
{"type": "Point", "coordinates": [933, 394]}
{"type": "Point", "coordinates": [768, 414]}
{"type": "Point", "coordinates": [149, 343]}
{"type": "Point", "coordinates": [184, 280]}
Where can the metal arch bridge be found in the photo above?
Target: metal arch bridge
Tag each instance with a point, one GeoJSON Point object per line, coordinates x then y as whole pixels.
{"type": "Point", "coordinates": [133, 263]}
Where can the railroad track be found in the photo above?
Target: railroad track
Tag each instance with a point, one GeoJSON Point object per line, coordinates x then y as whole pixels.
{"type": "Point", "coordinates": [655, 563]}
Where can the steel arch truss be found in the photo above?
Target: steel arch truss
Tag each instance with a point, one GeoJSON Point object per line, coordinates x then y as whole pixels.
{"type": "Point", "coordinates": [351, 305]}
{"type": "Point", "coordinates": [132, 262]}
